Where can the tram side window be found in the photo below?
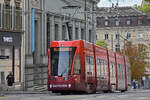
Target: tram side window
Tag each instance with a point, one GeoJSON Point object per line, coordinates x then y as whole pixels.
{"type": "Point", "coordinates": [120, 71]}
{"type": "Point", "coordinates": [90, 68]}
{"type": "Point", "coordinates": [92, 65]}
{"type": "Point", "coordinates": [114, 70]}
{"type": "Point", "coordinates": [77, 65]}
{"type": "Point", "coordinates": [127, 71]}
{"type": "Point", "coordinates": [101, 68]}
{"type": "Point", "coordinates": [119, 76]}
{"type": "Point", "coordinates": [123, 75]}
{"type": "Point", "coordinates": [103, 64]}
{"type": "Point", "coordinates": [88, 64]}
{"type": "Point", "coordinates": [111, 69]}
{"type": "Point", "coordinates": [98, 67]}
{"type": "Point", "coordinates": [106, 68]}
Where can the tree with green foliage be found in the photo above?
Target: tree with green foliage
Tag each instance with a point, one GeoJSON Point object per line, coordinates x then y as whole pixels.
{"type": "Point", "coordinates": [147, 0]}
{"type": "Point", "coordinates": [102, 43]}
{"type": "Point", "coordinates": [145, 8]}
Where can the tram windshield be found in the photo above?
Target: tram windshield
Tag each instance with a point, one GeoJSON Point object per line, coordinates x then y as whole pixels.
{"type": "Point", "coordinates": [61, 60]}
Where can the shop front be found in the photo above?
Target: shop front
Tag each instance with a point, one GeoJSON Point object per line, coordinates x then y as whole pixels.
{"type": "Point", "coordinates": [10, 55]}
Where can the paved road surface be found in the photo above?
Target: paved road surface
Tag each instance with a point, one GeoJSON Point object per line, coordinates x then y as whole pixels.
{"type": "Point", "coordinates": [130, 95]}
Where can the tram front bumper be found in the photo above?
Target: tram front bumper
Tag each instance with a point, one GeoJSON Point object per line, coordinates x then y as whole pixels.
{"type": "Point", "coordinates": [60, 87]}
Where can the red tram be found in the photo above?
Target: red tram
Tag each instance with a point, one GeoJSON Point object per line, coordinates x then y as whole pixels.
{"type": "Point", "coordinates": [82, 66]}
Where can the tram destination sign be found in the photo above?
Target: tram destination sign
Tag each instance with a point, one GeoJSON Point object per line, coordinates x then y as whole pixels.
{"type": "Point", "coordinates": [10, 39]}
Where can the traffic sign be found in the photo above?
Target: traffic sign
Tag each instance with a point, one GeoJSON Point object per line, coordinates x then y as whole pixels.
{"type": "Point", "coordinates": [4, 57]}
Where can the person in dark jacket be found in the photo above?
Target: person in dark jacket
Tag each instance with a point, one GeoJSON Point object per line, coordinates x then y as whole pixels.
{"type": "Point", "coordinates": [10, 80]}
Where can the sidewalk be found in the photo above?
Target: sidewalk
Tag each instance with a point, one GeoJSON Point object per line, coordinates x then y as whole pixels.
{"type": "Point", "coordinates": [13, 92]}
{"type": "Point", "coordinates": [140, 90]}
{"type": "Point", "coordinates": [18, 90]}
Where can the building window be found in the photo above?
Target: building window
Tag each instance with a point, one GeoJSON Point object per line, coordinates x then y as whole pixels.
{"type": "Point", "coordinates": [149, 20]}
{"type": "Point", "coordinates": [106, 22]}
{"type": "Point", "coordinates": [2, 78]}
{"type": "Point", "coordinates": [90, 36]}
{"type": "Point", "coordinates": [17, 18]}
{"type": "Point", "coordinates": [128, 36]}
{"type": "Point", "coordinates": [64, 32]}
{"type": "Point", "coordinates": [56, 32]}
{"type": "Point", "coordinates": [117, 36]}
{"type": "Point", "coordinates": [117, 23]}
{"type": "Point", "coordinates": [106, 36]}
{"type": "Point", "coordinates": [140, 35]}
{"type": "Point", "coordinates": [11, 17]}
{"type": "Point", "coordinates": [71, 32]}
{"type": "Point", "coordinates": [139, 21]}
{"type": "Point", "coordinates": [96, 37]}
{"type": "Point", "coordinates": [128, 22]}
{"type": "Point", "coordinates": [2, 52]}
{"type": "Point", "coordinates": [76, 33]}
{"type": "Point", "coordinates": [149, 35]}
{"type": "Point", "coordinates": [7, 20]}
{"type": "Point", "coordinates": [98, 22]}
{"type": "Point", "coordinates": [82, 33]}
{"type": "Point", "coordinates": [117, 48]}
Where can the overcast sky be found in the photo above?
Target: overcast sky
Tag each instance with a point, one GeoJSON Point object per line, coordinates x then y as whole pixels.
{"type": "Point", "coordinates": [108, 3]}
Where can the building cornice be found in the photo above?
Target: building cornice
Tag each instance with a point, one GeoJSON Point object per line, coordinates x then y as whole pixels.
{"type": "Point", "coordinates": [120, 11]}
{"type": "Point", "coordinates": [80, 2]}
{"type": "Point", "coordinates": [62, 16]}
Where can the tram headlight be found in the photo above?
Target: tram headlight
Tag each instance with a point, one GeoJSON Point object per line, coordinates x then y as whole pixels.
{"type": "Point", "coordinates": [50, 85]}
{"type": "Point", "coordinates": [69, 85]}
{"type": "Point", "coordinates": [76, 79]}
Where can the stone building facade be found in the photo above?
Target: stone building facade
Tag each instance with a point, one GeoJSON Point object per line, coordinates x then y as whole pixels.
{"type": "Point", "coordinates": [118, 25]}
{"type": "Point", "coordinates": [131, 24]}
{"type": "Point", "coordinates": [45, 22]}
{"type": "Point", "coordinates": [11, 32]}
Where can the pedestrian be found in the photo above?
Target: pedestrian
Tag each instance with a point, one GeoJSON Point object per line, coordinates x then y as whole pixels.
{"type": "Point", "coordinates": [10, 80]}
{"type": "Point", "coordinates": [134, 83]}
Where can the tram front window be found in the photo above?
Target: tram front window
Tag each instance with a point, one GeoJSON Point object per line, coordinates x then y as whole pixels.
{"type": "Point", "coordinates": [61, 60]}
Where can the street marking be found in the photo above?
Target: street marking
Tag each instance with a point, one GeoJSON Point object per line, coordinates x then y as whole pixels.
{"type": "Point", "coordinates": [67, 97]}
{"type": "Point", "coordinates": [143, 98]}
{"type": "Point", "coordinates": [123, 97]}
{"type": "Point", "coordinates": [99, 97]}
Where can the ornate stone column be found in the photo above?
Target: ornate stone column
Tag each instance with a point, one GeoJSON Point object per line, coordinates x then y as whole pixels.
{"type": "Point", "coordinates": [60, 29]}
{"type": "Point", "coordinates": [73, 30]}
{"type": "Point", "coordinates": [79, 30]}
{"type": "Point", "coordinates": [52, 25]}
